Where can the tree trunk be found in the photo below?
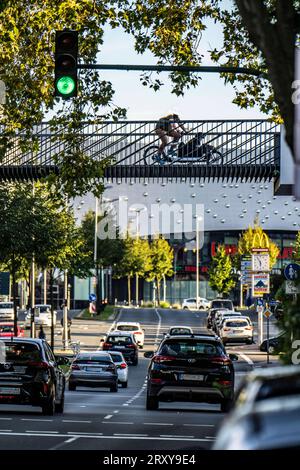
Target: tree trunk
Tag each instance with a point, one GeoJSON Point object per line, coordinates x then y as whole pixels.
{"type": "Point", "coordinates": [52, 308]}
{"type": "Point", "coordinates": [136, 290]}
{"type": "Point", "coordinates": [129, 289]}
{"type": "Point", "coordinates": [165, 288]}
{"type": "Point", "coordinates": [158, 291]}
{"type": "Point", "coordinates": [14, 295]}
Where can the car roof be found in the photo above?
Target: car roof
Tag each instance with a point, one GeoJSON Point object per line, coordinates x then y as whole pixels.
{"type": "Point", "coordinates": [180, 326]}
{"type": "Point", "coordinates": [133, 323]}
{"type": "Point", "coordinates": [120, 333]}
{"type": "Point", "coordinates": [37, 341]}
{"type": "Point", "coordinates": [98, 353]}
{"type": "Point", "coordinates": [203, 336]}
{"type": "Point", "coordinates": [269, 373]}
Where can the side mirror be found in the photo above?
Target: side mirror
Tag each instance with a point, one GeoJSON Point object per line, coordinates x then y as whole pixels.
{"type": "Point", "coordinates": [62, 361]}
{"type": "Point", "coordinates": [101, 340]}
{"type": "Point", "coordinates": [234, 357]}
{"type": "Point", "coordinates": [149, 354]}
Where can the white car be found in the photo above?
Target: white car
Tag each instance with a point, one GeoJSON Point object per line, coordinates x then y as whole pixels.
{"type": "Point", "coordinates": [238, 329]}
{"type": "Point", "coordinates": [134, 328]}
{"type": "Point", "coordinates": [221, 315]}
{"type": "Point", "coordinates": [178, 330]}
{"type": "Point", "coordinates": [122, 367]}
{"type": "Point", "coordinates": [191, 304]}
{"type": "Point", "coordinates": [42, 316]}
{"type": "Point", "coordinates": [6, 311]}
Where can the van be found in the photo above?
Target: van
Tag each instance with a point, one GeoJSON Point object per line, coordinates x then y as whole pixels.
{"type": "Point", "coordinates": [6, 311]}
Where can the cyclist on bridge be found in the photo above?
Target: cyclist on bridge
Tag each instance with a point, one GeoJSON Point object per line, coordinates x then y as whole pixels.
{"type": "Point", "coordinates": [169, 126]}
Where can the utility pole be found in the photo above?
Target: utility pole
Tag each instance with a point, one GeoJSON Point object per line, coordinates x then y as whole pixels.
{"type": "Point", "coordinates": [45, 285]}
{"type": "Point", "coordinates": [65, 311]}
{"type": "Point", "coordinates": [198, 218]}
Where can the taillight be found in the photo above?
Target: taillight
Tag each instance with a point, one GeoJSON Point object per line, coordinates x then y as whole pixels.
{"type": "Point", "coordinates": [226, 329]}
{"type": "Point", "coordinates": [225, 382]}
{"type": "Point", "coordinates": [248, 328]}
{"type": "Point", "coordinates": [219, 360]}
{"type": "Point", "coordinates": [156, 381]}
{"type": "Point", "coordinates": [75, 367]}
{"type": "Point", "coordinates": [123, 365]}
{"type": "Point", "coordinates": [106, 345]}
{"type": "Point", "coordinates": [132, 346]}
{"type": "Point", "coordinates": [138, 333]}
{"type": "Point", "coordinates": [159, 359]}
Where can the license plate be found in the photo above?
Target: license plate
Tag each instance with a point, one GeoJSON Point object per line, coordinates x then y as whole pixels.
{"type": "Point", "coordinates": [192, 377]}
{"type": "Point", "coordinates": [94, 369]}
{"type": "Point", "coordinates": [9, 391]}
{"type": "Point", "coordinates": [121, 347]}
{"type": "Point", "coordinates": [237, 331]}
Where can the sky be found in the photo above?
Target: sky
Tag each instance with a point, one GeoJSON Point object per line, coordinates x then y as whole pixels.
{"type": "Point", "coordinates": [211, 99]}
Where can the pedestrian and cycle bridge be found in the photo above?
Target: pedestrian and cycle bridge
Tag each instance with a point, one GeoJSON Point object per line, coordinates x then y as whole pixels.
{"type": "Point", "coordinates": [247, 150]}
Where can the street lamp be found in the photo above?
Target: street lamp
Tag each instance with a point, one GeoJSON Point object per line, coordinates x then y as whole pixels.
{"type": "Point", "coordinates": [198, 219]}
{"type": "Point", "coordinates": [137, 210]}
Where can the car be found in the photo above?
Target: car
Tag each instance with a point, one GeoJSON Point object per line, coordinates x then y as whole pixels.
{"type": "Point", "coordinates": [275, 344]}
{"type": "Point", "coordinates": [178, 330]}
{"type": "Point", "coordinates": [251, 423]}
{"type": "Point", "coordinates": [122, 368]}
{"type": "Point", "coordinates": [220, 317]}
{"type": "Point", "coordinates": [191, 304]}
{"type": "Point", "coordinates": [234, 330]}
{"type": "Point", "coordinates": [42, 316]}
{"type": "Point", "coordinates": [211, 316]}
{"type": "Point", "coordinates": [123, 342]}
{"type": "Point", "coordinates": [272, 424]}
{"type": "Point", "coordinates": [132, 327]}
{"type": "Point", "coordinates": [192, 368]}
{"type": "Point", "coordinates": [93, 369]}
{"type": "Point", "coordinates": [7, 331]}
{"type": "Point", "coordinates": [222, 303]}
{"type": "Point", "coordinates": [30, 375]}
{"type": "Point", "coordinates": [6, 311]}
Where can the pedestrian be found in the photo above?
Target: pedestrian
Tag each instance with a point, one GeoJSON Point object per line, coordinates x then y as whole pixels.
{"type": "Point", "coordinates": [42, 333]}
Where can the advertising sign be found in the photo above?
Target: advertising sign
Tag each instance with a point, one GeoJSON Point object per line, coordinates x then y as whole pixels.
{"type": "Point", "coordinates": [260, 284]}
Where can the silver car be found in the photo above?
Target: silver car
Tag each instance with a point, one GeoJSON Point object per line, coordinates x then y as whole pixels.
{"type": "Point", "coordinates": [94, 369]}
{"type": "Point", "coordinates": [236, 330]}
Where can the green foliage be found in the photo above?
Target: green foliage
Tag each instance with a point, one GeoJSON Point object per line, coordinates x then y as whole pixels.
{"type": "Point", "coordinates": [255, 237]}
{"type": "Point", "coordinates": [162, 255]}
{"type": "Point", "coordinates": [164, 304]}
{"type": "Point", "coordinates": [220, 272]}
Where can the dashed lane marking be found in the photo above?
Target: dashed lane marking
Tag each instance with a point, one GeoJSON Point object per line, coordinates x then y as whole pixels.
{"type": "Point", "coordinates": [5, 430]}
{"type": "Point", "coordinates": [38, 420]}
{"type": "Point", "coordinates": [159, 424]}
{"type": "Point", "coordinates": [75, 421]}
{"type": "Point", "coordinates": [117, 422]}
{"type": "Point", "coordinates": [6, 419]}
{"type": "Point", "coordinates": [200, 425]}
{"type": "Point", "coordinates": [171, 435]}
{"type": "Point", "coordinates": [108, 417]}
{"type": "Point", "coordinates": [39, 431]}
{"type": "Point", "coordinates": [246, 358]}
{"type": "Point", "coordinates": [130, 435]}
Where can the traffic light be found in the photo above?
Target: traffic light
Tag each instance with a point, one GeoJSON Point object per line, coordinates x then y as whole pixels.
{"type": "Point", "coordinates": [66, 54]}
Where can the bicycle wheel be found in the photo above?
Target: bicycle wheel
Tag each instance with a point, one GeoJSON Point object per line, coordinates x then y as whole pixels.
{"type": "Point", "coordinates": [150, 155]}
{"type": "Point", "coordinates": [215, 157]}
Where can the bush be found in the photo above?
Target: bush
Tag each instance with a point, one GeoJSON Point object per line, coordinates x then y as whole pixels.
{"type": "Point", "coordinates": [176, 306]}
{"type": "Point", "coordinates": [164, 304]}
{"type": "Point", "coordinates": [148, 304]}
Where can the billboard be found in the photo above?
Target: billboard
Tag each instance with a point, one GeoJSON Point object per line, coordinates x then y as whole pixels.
{"type": "Point", "coordinates": [260, 284]}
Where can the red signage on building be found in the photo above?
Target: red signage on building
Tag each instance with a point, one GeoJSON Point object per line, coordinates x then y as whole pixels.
{"type": "Point", "coordinates": [286, 252]}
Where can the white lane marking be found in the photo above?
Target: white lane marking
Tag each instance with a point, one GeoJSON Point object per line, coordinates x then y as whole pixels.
{"type": "Point", "coordinates": [6, 419]}
{"type": "Point", "coordinates": [197, 316]}
{"type": "Point", "coordinates": [5, 430]}
{"type": "Point", "coordinates": [201, 425]}
{"type": "Point", "coordinates": [246, 358]}
{"type": "Point", "coordinates": [90, 436]}
{"type": "Point", "coordinates": [37, 419]}
{"type": "Point", "coordinates": [46, 432]}
{"type": "Point", "coordinates": [79, 433]}
{"type": "Point", "coordinates": [116, 422]}
{"type": "Point", "coordinates": [159, 424]}
{"type": "Point", "coordinates": [72, 439]}
{"type": "Point", "coordinates": [130, 435]}
{"type": "Point", "coordinates": [108, 417]}
{"type": "Point", "coordinates": [75, 421]}
{"type": "Point", "coordinates": [171, 435]}
{"type": "Point", "coordinates": [116, 411]}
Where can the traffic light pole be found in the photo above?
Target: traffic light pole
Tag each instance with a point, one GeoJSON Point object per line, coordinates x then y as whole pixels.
{"type": "Point", "coordinates": [174, 68]}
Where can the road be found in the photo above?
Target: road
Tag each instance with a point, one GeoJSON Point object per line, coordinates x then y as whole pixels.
{"type": "Point", "coordinates": [99, 420]}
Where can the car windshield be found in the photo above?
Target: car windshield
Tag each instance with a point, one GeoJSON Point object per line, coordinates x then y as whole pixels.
{"type": "Point", "coordinates": [120, 340]}
{"type": "Point", "coordinates": [116, 357]}
{"type": "Point", "coordinates": [92, 359]}
{"type": "Point", "coordinates": [128, 327]}
{"type": "Point", "coordinates": [8, 305]}
{"type": "Point", "coordinates": [279, 388]}
{"type": "Point", "coordinates": [236, 324]}
{"type": "Point", "coordinates": [19, 352]}
{"type": "Point", "coordinates": [6, 329]}
{"type": "Point", "coordinates": [187, 349]}
{"type": "Point", "coordinates": [222, 303]}
{"type": "Point", "coordinates": [180, 331]}
{"type": "Point", "coordinates": [43, 308]}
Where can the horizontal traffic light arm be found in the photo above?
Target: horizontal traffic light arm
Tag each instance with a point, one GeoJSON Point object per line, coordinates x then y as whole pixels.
{"type": "Point", "coordinates": [175, 68]}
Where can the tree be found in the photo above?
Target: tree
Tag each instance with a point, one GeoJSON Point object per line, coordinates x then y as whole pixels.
{"type": "Point", "coordinates": [255, 237]}
{"type": "Point", "coordinates": [221, 272]}
{"type": "Point", "coordinates": [162, 255]}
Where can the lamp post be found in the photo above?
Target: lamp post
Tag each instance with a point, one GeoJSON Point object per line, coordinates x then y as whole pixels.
{"type": "Point", "coordinates": [137, 211]}
{"type": "Point", "coordinates": [198, 219]}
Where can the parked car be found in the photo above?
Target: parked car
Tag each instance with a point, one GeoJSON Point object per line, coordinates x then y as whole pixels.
{"type": "Point", "coordinates": [132, 327]}
{"type": "Point", "coordinates": [234, 330]}
{"type": "Point", "coordinates": [7, 311]}
{"type": "Point", "coordinates": [42, 316]}
{"type": "Point", "coordinates": [178, 330]}
{"type": "Point", "coordinates": [270, 425]}
{"type": "Point", "coordinates": [7, 331]}
{"type": "Point", "coordinates": [122, 368]}
{"type": "Point", "coordinates": [191, 304]}
{"type": "Point", "coordinates": [222, 303]}
{"type": "Point", "coordinates": [265, 412]}
{"type": "Point", "coordinates": [94, 369]}
{"type": "Point", "coordinates": [190, 368]}
{"type": "Point", "coordinates": [220, 317]}
{"type": "Point", "coordinates": [211, 316]}
{"type": "Point", "coordinates": [30, 375]}
{"type": "Point", "coordinates": [123, 342]}
{"type": "Point", "coordinates": [275, 343]}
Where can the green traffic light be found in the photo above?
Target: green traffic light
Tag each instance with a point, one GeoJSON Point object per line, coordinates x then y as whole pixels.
{"type": "Point", "coordinates": [65, 85]}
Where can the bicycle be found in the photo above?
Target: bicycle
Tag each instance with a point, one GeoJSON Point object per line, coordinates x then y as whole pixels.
{"type": "Point", "coordinates": [75, 346]}
{"type": "Point", "coordinates": [192, 152]}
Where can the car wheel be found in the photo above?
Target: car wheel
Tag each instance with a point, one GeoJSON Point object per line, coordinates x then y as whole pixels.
{"type": "Point", "coordinates": [59, 408]}
{"type": "Point", "coordinates": [185, 308]}
{"type": "Point", "coordinates": [135, 361]}
{"type": "Point", "coordinates": [49, 408]}
{"type": "Point", "coordinates": [152, 403]}
{"type": "Point", "coordinates": [226, 405]}
{"type": "Point", "coordinates": [271, 350]}
{"type": "Point", "coordinates": [249, 341]}
{"type": "Point", "coordinates": [124, 384]}
{"type": "Point", "coordinates": [141, 346]}
{"type": "Point", "coordinates": [72, 387]}
{"type": "Point", "coordinates": [114, 388]}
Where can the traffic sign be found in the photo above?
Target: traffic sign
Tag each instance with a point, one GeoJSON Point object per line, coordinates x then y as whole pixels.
{"type": "Point", "coordinates": [260, 302]}
{"type": "Point", "coordinates": [92, 297]}
{"type": "Point", "coordinates": [260, 284]}
{"type": "Point", "coordinates": [268, 313]}
{"type": "Point", "coordinates": [259, 308]}
{"type": "Point", "coordinates": [291, 271]}
{"type": "Point", "coordinates": [292, 288]}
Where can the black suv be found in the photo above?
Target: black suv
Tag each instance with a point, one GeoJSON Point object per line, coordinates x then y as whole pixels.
{"type": "Point", "coordinates": [192, 368]}
{"type": "Point", "coordinates": [29, 375]}
{"type": "Point", "coordinates": [124, 342]}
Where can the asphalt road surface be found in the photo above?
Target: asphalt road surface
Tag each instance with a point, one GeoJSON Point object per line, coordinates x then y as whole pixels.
{"type": "Point", "coordinates": [95, 419]}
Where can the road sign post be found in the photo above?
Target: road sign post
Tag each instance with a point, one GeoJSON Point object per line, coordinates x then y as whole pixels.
{"type": "Point", "coordinates": [268, 314]}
